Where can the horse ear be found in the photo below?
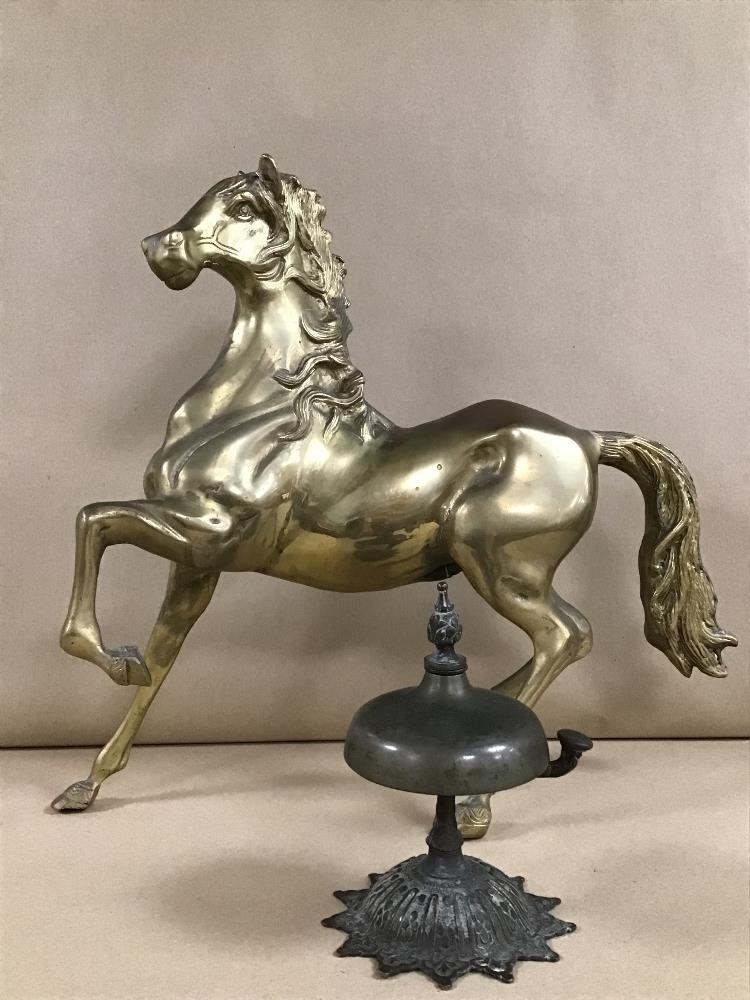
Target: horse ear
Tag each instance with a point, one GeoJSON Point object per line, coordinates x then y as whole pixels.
{"type": "Point", "coordinates": [269, 174]}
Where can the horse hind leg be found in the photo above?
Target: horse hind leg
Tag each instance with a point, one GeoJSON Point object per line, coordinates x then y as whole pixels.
{"type": "Point", "coordinates": [568, 639]}
{"type": "Point", "coordinates": [188, 594]}
{"type": "Point", "coordinates": [520, 589]}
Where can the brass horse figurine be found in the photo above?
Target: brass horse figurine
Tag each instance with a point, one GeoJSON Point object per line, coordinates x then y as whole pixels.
{"type": "Point", "coordinates": [275, 462]}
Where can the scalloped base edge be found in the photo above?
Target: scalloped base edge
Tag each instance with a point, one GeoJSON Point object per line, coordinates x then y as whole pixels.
{"type": "Point", "coordinates": [482, 921]}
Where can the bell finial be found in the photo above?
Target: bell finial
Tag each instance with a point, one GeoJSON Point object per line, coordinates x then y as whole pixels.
{"type": "Point", "coordinates": [444, 627]}
{"type": "Point", "coordinates": [444, 630]}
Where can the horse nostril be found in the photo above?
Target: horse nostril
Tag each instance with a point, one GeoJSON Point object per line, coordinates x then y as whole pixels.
{"type": "Point", "coordinates": [174, 239]}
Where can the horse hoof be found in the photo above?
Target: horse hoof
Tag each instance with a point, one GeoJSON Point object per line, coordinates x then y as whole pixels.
{"type": "Point", "coordinates": [128, 667]}
{"type": "Point", "coordinates": [76, 798]}
{"type": "Point", "coordinates": [473, 818]}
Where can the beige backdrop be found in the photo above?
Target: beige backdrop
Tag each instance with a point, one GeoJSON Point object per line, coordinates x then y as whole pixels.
{"type": "Point", "coordinates": [541, 200]}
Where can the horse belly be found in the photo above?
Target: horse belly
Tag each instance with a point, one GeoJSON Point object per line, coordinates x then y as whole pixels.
{"type": "Point", "coordinates": [346, 565]}
{"type": "Point", "coordinates": [389, 557]}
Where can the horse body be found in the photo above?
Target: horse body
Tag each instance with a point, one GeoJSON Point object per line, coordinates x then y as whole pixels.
{"type": "Point", "coordinates": [274, 462]}
{"type": "Point", "coordinates": [383, 511]}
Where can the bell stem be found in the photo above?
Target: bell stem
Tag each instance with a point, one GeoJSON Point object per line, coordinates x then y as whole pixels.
{"type": "Point", "coordinates": [444, 858]}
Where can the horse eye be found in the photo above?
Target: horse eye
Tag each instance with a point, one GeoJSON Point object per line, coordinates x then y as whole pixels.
{"type": "Point", "coordinates": [243, 211]}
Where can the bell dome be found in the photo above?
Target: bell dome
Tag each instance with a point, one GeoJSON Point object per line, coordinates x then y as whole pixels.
{"type": "Point", "coordinates": [444, 736]}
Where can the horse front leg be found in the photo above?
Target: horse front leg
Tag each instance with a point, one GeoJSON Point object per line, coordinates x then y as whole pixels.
{"type": "Point", "coordinates": [156, 526]}
{"type": "Point", "coordinates": [188, 594]}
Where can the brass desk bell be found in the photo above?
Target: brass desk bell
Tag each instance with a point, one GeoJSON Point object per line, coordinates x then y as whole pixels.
{"type": "Point", "coordinates": [444, 913]}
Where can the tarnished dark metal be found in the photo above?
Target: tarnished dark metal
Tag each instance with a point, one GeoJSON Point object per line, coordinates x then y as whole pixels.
{"type": "Point", "coordinates": [443, 913]}
{"type": "Point", "coordinates": [444, 627]}
{"type": "Point", "coordinates": [572, 746]}
{"type": "Point", "coordinates": [445, 737]}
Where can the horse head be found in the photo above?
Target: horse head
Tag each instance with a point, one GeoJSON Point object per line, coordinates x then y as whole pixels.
{"type": "Point", "coordinates": [250, 228]}
{"type": "Point", "coordinates": [263, 231]}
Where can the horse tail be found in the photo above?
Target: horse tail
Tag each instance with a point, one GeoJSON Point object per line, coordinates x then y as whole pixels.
{"type": "Point", "coordinates": [677, 594]}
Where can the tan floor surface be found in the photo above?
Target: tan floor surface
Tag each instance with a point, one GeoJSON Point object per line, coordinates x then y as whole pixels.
{"type": "Point", "coordinates": [202, 873]}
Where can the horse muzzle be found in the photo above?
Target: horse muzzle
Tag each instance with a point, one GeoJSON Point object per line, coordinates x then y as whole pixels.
{"type": "Point", "coordinates": [167, 257]}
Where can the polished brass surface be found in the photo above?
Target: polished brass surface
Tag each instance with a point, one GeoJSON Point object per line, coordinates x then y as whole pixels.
{"type": "Point", "coordinates": [275, 462]}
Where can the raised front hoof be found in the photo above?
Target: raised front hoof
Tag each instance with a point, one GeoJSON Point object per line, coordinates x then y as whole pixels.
{"type": "Point", "coordinates": [76, 798]}
{"type": "Point", "coordinates": [473, 818]}
{"type": "Point", "coordinates": [127, 666]}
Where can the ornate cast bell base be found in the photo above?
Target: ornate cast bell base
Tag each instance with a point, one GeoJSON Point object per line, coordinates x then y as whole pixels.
{"type": "Point", "coordinates": [445, 914]}
{"type": "Point", "coordinates": [482, 921]}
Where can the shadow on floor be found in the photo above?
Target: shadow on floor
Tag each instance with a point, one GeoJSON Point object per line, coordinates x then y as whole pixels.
{"type": "Point", "coordinates": [248, 899]}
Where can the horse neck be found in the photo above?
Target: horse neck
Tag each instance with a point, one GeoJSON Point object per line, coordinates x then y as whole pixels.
{"type": "Point", "coordinates": [264, 338]}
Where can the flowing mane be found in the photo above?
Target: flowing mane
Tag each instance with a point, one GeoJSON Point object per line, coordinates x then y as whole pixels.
{"type": "Point", "coordinates": [296, 215]}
